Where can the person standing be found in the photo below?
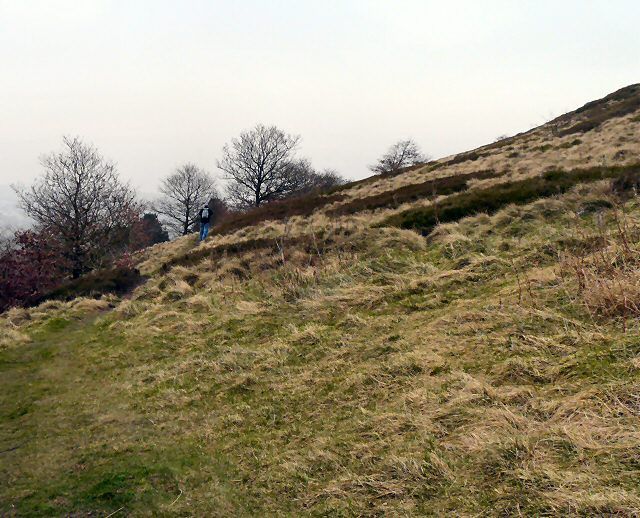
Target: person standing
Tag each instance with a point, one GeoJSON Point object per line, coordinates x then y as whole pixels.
{"type": "Point", "coordinates": [205, 218]}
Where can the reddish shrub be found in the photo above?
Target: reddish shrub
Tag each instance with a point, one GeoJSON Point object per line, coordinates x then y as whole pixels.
{"type": "Point", "coordinates": [33, 265]}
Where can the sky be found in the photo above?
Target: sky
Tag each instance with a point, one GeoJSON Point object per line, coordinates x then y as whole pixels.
{"type": "Point", "coordinates": [157, 83]}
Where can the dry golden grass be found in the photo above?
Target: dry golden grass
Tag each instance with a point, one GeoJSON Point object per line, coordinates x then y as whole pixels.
{"type": "Point", "coordinates": [151, 258]}
{"type": "Point", "coordinates": [359, 371]}
{"type": "Point", "coordinates": [12, 338]}
{"type": "Point", "coordinates": [608, 278]}
{"type": "Point", "coordinates": [390, 375]}
{"type": "Point", "coordinates": [617, 142]}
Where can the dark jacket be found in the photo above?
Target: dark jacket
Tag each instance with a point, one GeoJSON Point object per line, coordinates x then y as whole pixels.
{"type": "Point", "coordinates": [203, 218]}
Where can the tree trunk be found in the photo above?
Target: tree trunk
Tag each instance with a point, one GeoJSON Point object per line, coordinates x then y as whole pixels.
{"type": "Point", "coordinates": [77, 262]}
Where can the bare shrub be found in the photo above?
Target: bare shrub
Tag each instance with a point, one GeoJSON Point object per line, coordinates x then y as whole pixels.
{"type": "Point", "coordinates": [402, 154]}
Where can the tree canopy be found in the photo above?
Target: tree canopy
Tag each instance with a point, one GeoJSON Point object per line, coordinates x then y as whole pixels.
{"type": "Point", "coordinates": [404, 153]}
{"type": "Point", "coordinates": [80, 198]}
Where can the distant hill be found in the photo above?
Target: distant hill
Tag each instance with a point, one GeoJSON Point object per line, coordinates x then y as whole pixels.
{"type": "Point", "coordinates": [459, 339]}
{"type": "Point", "coordinates": [10, 215]}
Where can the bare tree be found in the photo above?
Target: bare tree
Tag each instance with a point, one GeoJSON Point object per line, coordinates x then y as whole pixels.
{"type": "Point", "coordinates": [327, 179]}
{"type": "Point", "coordinates": [301, 177]}
{"type": "Point", "coordinates": [307, 179]}
{"type": "Point", "coordinates": [259, 167]}
{"type": "Point", "coordinates": [184, 192]}
{"type": "Point", "coordinates": [81, 199]}
{"type": "Point", "coordinates": [402, 154]}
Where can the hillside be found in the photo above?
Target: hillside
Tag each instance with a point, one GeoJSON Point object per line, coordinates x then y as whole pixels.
{"type": "Point", "coordinates": [461, 338]}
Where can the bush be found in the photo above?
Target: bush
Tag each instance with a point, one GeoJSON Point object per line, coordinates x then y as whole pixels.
{"type": "Point", "coordinates": [32, 264]}
{"type": "Point", "coordinates": [502, 143]}
{"type": "Point", "coordinates": [34, 269]}
{"type": "Point", "coordinates": [567, 145]}
{"type": "Point", "coordinates": [118, 281]}
{"type": "Point", "coordinates": [472, 156]}
{"type": "Point", "coordinates": [581, 127]}
{"type": "Point", "coordinates": [495, 197]}
{"type": "Point", "coordinates": [629, 181]}
{"type": "Point", "coordinates": [591, 206]}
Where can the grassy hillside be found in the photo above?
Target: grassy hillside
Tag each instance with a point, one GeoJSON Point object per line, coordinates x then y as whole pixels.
{"type": "Point", "coordinates": [335, 364]}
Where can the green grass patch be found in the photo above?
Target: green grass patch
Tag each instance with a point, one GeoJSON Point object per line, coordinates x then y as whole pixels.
{"type": "Point", "coordinates": [57, 324]}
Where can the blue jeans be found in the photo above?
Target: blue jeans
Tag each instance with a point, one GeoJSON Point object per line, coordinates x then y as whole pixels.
{"type": "Point", "coordinates": [204, 230]}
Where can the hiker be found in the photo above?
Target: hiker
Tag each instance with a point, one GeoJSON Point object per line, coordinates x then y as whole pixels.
{"type": "Point", "coordinates": [205, 217]}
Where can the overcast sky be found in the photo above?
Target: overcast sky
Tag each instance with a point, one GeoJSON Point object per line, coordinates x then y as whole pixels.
{"type": "Point", "coordinates": [156, 83]}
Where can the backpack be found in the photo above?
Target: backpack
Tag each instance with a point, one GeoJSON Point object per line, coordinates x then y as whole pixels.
{"type": "Point", "coordinates": [204, 215]}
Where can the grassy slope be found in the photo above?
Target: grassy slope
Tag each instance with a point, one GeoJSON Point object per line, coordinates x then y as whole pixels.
{"type": "Point", "coordinates": [387, 374]}
{"type": "Point", "coordinates": [371, 372]}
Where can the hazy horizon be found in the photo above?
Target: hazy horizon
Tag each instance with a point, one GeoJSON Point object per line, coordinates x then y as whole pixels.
{"type": "Point", "coordinates": [156, 84]}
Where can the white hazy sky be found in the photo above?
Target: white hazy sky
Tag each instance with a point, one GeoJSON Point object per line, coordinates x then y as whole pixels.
{"type": "Point", "coordinates": [156, 83]}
